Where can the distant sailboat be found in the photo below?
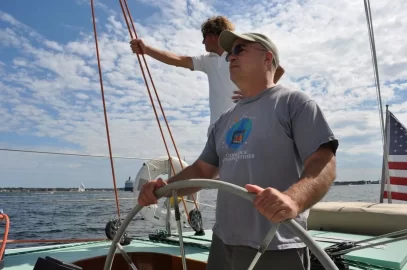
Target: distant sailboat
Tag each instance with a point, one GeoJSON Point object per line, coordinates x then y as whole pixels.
{"type": "Point", "coordinates": [81, 187]}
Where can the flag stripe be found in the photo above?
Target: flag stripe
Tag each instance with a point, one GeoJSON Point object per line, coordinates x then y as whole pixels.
{"type": "Point", "coordinates": [398, 165]}
{"type": "Point", "coordinates": [398, 173]}
{"type": "Point", "coordinates": [398, 181]}
{"type": "Point", "coordinates": [397, 158]}
{"type": "Point", "coordinates": [396, 196]}
{"type": "Point", "coordinates": [397, 188]}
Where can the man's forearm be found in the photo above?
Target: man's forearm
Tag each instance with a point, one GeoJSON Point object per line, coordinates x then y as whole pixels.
{"type": "Point", "coordinates": [315, 182]}
{"type": "Point", "coordinates": [168, 58]}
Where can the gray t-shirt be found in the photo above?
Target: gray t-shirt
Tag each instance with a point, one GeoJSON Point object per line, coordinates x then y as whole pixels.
{"type": "Point", "coordinates": [264, 140]}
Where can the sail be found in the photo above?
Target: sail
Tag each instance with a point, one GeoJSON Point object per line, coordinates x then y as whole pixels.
{"type": "Point", "coordinates": [81, 187]}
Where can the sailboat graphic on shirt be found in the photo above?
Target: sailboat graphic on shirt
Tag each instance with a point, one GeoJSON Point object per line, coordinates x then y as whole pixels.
{"type": "Point", "coordinates": [239, 133]}
{"type": "Point", "coordinates": [237, 137]}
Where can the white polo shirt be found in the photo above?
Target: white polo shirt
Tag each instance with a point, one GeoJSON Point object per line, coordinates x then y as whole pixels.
{"type": "Point", "coordinates": [220, 86]}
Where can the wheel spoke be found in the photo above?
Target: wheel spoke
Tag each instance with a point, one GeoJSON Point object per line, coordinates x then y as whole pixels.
{"type": "Point", "coordinates": [126, 256]}
{"type": "Point", "coordinates": [178, 220]}
{"type": "Point", "coordinates": [266, 242]}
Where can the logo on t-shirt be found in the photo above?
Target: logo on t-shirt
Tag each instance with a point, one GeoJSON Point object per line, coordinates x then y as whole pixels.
{"type": "Point", "coordinates": [239, 133]}
{"type": "Point", "coordinates": [236, 137]}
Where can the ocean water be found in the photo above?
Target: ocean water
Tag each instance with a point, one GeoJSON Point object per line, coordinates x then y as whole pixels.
{"type": "Point", "coordinates": [70, 215]}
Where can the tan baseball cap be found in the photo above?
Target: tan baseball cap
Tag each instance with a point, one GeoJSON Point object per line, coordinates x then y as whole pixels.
{"type": "Point", "coordinates": [227, 38]}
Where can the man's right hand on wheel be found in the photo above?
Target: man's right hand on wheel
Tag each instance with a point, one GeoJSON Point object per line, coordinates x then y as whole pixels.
{"type": "Point", "coordinates": [146, 195]}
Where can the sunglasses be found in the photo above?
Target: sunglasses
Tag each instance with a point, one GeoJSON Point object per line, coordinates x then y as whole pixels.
{"type": "Point", "coordinates": [238, 49]}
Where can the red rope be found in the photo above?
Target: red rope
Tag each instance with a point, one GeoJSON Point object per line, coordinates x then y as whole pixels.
{"type": "Point", "coordinates": [148, 88]}
{"type": "Point", "coordinates": [159, 102]}
{"type": "Point", "coordinates": [6, 230]}
{"type": "Point", "coordinates": [149, 92]}
{"type": "Point", "coordinates": [104, 109]}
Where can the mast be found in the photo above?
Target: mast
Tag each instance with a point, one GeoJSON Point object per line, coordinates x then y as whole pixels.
{"type": "Point", "coordinates": [385, 166]}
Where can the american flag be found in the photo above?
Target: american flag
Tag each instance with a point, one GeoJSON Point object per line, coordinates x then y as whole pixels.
{"type": "Point", "coordinates": [397, 159]}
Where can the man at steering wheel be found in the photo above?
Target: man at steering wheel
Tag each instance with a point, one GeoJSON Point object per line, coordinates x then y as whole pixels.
{"type": "Point", "coordinates": [276, 143]}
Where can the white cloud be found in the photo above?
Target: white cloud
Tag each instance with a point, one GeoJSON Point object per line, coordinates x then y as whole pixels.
{"type": "Point", "coordinates": [82, 96]}
{"type": "Point", "coordinates": [51, 89]}
{"type": "Point", "coordinates": [8, 37]}
{"type": "Point", "coordinates": [81, 48]}
{"type": "Point", "coordinates": [20, 62]}
{"type": "Point", "coordinates": [53, 45]}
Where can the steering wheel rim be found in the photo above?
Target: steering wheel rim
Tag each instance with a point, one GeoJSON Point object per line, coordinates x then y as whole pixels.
{"type": "Point", "coordinates": [319, 253]}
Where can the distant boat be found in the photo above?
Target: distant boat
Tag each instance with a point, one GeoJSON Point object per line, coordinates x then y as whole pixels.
{"type": "Point", "coordinates": [128, 185]}
{"type": "Point", "coordinates": [81, 187]}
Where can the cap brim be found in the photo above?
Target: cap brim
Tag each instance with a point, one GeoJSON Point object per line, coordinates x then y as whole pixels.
{"type": "Point", "coordinates": [227, 38]}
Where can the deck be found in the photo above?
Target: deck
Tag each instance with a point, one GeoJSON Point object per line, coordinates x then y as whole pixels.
{"type": "Point", "coordinates": [392, 255]}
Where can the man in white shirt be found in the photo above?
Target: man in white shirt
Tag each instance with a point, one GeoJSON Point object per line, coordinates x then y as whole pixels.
{"type": "Point", "coordinates": [223, 93]}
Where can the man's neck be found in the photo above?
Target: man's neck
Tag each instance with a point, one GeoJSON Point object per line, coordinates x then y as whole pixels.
{"type": "Point", "coordinates": [253, 89]}
{"type": "Point", "coordinates": [219, 51]}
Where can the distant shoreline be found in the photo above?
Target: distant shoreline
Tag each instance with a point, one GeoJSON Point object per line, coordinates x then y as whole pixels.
{"type": "Point", "coordinates": [75, 189]}
{"type": "Point", "coordinates": [353, 183]}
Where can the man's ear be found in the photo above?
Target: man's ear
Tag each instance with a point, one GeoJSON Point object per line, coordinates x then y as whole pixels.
{"type": "Point", "coordinates": [269, 58]}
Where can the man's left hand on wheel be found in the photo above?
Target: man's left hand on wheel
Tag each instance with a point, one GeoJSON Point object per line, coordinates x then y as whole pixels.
{"type": "Point", "coordinates": [273, 204]}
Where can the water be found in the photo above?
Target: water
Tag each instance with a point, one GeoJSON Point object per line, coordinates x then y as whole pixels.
{"type": "Point", "coordinates": [70, 215]}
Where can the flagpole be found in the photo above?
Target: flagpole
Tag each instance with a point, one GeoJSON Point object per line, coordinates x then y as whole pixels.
{"type": "Point", "coordinates": [382, 181]}
{"type": "Point", "coordinates": [384, 178]}
{"type": "Point", "coordinates": [386, 155]}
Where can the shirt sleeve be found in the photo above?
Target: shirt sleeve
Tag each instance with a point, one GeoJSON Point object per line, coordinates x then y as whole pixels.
{"type": "Point", "coordinates": [199, 63]}
{"type": "Point", "coordinates": [311, 130]}
{"type": "Point", "coordinates": [209, 154]}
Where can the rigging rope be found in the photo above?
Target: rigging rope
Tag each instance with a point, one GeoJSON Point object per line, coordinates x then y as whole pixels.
{"type": "Point", "coordinates": [104, 110]}
{"type": "Point", "coordinates": [374, 61]}
{"type": "Point", "coordinates": [156, 94]}
{"type": "Point", "coordinates": [69, 154]}
{"type": "Point", "coordinates": [379, 100]}
{"type": "Point", "coordinates": [127, 19]}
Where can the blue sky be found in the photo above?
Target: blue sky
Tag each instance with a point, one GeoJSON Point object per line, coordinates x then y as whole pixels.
{"type": "Point", "coordinates": [50, 94]}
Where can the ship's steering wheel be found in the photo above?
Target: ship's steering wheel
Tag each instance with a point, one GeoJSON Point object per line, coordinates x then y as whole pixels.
{"type": "Point", "coordinates": [319, 253]}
